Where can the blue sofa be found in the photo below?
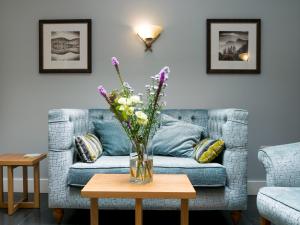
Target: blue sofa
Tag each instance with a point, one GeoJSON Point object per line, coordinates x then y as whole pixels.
{"type": "Point", "coordinates": [279, 202]}
{"type": "Point", "coordinates": [219, 186]}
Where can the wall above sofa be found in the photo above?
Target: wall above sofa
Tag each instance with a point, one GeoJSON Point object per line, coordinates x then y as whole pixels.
{"type": "Point", "coordinates": [271, 97]}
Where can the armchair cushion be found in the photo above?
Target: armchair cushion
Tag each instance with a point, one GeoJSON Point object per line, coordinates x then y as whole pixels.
{"type": "Point", "coordinates": [289, 196]}
{"type": "Point", "coordinates": [200, 175]}
{"type": "Point", "coordinates": [280, 204]}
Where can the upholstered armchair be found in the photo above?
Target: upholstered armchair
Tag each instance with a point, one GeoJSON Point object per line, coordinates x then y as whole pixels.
{"type": "Point", "coordinates": [279, 202]}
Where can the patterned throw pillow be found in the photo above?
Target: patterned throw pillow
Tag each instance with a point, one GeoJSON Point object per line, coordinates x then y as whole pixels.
{"type": "Point", "coordinates": [208, 149]}
{"type": "Point", "coordinates": [88, 147]}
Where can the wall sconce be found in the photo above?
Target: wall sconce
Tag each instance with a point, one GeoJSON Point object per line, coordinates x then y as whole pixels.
{"type": "Point", "coordinates": [244, 56]}
{"type": "Point", "coordinates": [148, 34]}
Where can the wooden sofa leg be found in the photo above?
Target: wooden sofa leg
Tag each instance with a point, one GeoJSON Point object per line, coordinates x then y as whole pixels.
{"type": "Point", "coordinates": [235, 217]}
{"type": "Point", "coordinates": [264, 221]}
{"type": "Point", "coordinates": [58, 215]}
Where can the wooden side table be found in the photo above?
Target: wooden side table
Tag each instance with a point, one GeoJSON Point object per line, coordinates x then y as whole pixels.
{"type": "Point", "coordinates": [12, 161]}
{"type": "Point", "coordinates": [165, 186]}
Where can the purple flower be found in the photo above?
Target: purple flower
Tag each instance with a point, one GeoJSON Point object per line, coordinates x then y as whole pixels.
{"type": "Point", "coordinates": [114, 61]}
{"type": "Point", "coordinates": [102, 91]}
{"type": "Point", "coordinates": [164, 74]}
{"type": "Point", "coordinates": [166, 69]}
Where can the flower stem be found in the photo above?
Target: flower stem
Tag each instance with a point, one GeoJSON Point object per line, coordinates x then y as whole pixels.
{"type": "Point", "coordinates": [119, 75]}
{"type": "Point", "coordinates": [149, 126]}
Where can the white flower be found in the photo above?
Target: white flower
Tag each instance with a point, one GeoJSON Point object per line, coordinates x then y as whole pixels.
{"type": "Point", "coordinates": [142, 118]}
{"type": "Point", "coordinates": [135, 99]}
{"type": "Point", "coordinates": [141, 115]}
{"type": "Point", "coordinates": [122, 101]}
{"type": "Point", "coordinates": [125, 101]}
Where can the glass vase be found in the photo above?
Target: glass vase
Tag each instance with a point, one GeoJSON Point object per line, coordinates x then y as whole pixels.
{"type": "Point", "coordinates": [141, 164]}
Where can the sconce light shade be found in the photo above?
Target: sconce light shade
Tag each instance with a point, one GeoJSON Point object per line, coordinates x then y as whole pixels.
{"type": "Point", "coordinates": [244, 56]}
{"type": "Point", "coordinates": [148, 34]}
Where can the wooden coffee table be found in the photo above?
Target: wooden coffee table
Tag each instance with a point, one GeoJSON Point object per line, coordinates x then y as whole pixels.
{"type": "Point", "coordinates": [165, 186]}
{"type": "Point", "coordinates": [12, 161]}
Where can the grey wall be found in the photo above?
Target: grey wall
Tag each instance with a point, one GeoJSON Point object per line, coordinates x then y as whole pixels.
{"type": "Point", "coordinates": [272, 98]}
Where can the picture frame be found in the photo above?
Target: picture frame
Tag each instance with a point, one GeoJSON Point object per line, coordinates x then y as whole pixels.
{"type": "Point", "coordinates": [65, 46]}
{"type": "Point", "coordinates": [233, 46]}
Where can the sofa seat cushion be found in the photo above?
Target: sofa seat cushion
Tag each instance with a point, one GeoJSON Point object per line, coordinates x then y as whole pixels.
{"type": "Point", "coordinates": [288, 196]}
{"type": "Point", "coordinates": [200, 175]}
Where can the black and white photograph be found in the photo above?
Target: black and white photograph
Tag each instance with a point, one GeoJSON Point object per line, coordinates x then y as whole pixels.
{"type": "Point", "coordinates": [233, 46]}
{"type": "Point", "coordinates": [65, 46]}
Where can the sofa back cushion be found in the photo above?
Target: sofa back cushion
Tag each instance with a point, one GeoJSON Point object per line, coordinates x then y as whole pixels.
{"type": "Point", "coordinates": [194, 116]}
{"type": "Point", "coordinates": [112, 137]}
{"type": "Point", "coordinates": [175, 138]}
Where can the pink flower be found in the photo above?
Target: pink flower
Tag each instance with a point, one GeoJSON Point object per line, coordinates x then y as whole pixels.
{"type": "Point", "coordinates": [114, 61]}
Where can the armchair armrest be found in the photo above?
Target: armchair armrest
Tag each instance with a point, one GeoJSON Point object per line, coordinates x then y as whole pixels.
{"type": "Point", "coordinates": [63, 125]}
{"type": "Point", "coordinates": [231, 125]}
{"type": "Point", "coordinates": [281, 163]}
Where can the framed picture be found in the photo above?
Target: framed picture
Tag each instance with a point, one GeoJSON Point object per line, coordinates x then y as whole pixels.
{"type": "Point", "coordinates": [233, 45]}
{"type": "Point", "coordinates": [65, 46]}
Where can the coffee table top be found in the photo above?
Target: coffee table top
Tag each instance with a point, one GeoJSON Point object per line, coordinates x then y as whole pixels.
{"type": "Point", "coordinates": [16, 159]}
{"type": "Point", "coordinates": [173, 186]}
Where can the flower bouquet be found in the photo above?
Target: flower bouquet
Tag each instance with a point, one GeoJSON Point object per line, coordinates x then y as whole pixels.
{"type": "Point", "coordinates": [139, 117]}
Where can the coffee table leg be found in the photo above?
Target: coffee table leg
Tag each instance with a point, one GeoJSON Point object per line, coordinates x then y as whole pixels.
{"type": "Point", "coordinates": [184, 216]}
{"type": "Point", "coordinates": [94, 211]}
{"type": "Point", "coordinates": [10, 191]}
{"type": "Point", "coordinates": [138, 211]}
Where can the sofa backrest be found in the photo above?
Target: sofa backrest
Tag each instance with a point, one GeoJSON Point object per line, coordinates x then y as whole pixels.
{"type": "Point", "coordinates": [195, 116]}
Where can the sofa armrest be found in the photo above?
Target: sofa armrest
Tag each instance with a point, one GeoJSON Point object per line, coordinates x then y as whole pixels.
{"type": "Point", "coordinates": [63, 125]}
{"type": "Point", "coordinates": [231, 125]}
{"type": "Point", "coordinates": [281, 163]}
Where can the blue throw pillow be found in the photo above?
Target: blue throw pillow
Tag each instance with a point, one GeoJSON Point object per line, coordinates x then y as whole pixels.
{"type": "Point", "coordinates": [175, 138]}
{"type": "Point", "coordinates": [112, 137]}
